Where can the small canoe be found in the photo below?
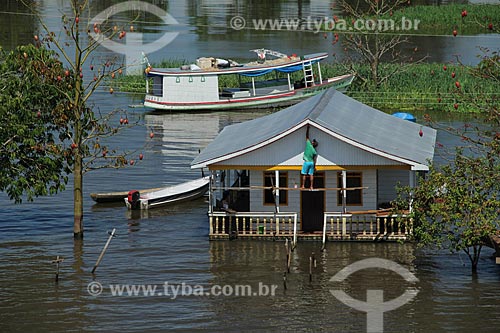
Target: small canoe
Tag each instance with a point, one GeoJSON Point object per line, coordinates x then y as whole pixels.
{"type": "Point", "coordinates": [168, 195]}
{"type": "Point", "coordinates": [110, 197]}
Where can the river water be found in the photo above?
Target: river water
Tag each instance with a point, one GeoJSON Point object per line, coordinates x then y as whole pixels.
{"type": "Point", "coordinates": [170, 247]}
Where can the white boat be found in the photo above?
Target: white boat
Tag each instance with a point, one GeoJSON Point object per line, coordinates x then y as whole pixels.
{"type": "Point", "coordinates": [189, 190]}
{"type": "Point", "coordinates": [198, 87]}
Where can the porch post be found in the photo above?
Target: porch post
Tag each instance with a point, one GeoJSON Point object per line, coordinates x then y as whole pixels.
{"type": "Point", "coordinates": [294, 230]}
{"type": "Point", "coordinates": [344, 191]}
{"type": "Point", "coordinates": [277, 195]}
{"type": "Point", "coordinates": [324, 230]}
{"type": "Point", "coordinates": [344, 202]}
{"type": "Point", "coordinates": [211, 201]}
{"type": "Point", "coordinates": [412, 183]}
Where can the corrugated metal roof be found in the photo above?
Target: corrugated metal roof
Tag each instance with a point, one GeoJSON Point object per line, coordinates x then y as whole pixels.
{"type": "Point", "coordinates": [345, 117]}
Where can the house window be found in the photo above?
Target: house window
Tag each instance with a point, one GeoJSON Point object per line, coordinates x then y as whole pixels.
{"type": "Point", "coordinates": [270, 180]}
{"type": "Point", "coordinates": [354, 197]}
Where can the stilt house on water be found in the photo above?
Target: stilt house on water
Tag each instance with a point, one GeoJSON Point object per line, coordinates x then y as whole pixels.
{"type": "Point", "coordinates": [363, 154]}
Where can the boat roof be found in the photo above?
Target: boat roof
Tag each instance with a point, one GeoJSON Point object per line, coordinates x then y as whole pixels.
{"type": "Point", "coordinates": [336, 114]}
{"type": "Point", "coordinates": [245, 68]}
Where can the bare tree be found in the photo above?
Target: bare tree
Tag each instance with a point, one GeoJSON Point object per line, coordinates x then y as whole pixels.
{"type": "Point", "coordinates": [376, 39]}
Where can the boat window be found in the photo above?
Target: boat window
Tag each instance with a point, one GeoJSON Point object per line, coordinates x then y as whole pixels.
{"type": "Point", "coordinates": [270, 180]}
{"type": "Point", "coordinates": [354, 197]}
{"type": "Point", "coordinates": [157, 86]}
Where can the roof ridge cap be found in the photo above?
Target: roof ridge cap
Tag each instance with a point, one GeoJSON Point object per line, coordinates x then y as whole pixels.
{"type": "Point", "coordinates": [320, 105]}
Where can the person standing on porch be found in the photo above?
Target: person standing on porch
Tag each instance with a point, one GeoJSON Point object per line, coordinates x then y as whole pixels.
{"type": "Point", "coordinates": [309, 158]}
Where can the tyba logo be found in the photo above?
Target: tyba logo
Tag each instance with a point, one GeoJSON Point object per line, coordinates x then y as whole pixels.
{"type": "Point", "coordinates": [374, 305]}
{"type": "Point", "coordinates": [134, 48]}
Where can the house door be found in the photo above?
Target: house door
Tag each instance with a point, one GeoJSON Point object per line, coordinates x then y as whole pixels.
{"type": "Point", "coordinates": [313, 204]}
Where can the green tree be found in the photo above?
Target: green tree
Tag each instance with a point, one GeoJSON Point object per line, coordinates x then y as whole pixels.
{"type": "Point", "coordinates": [457, 205]}
{"type": "Point", "coordinates": [82, 129]}
{"type": "Point", "coordinates": [33, 160]}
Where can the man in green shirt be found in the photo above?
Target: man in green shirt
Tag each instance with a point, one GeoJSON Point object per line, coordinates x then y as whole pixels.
{"type": "Point", "coordinates": [309, 158]}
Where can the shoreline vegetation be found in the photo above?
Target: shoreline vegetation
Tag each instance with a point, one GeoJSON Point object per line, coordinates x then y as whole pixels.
{"type": "Point", "coordinates": [421, 86]}
{"type": "Point", "coordinates": [443, 19]}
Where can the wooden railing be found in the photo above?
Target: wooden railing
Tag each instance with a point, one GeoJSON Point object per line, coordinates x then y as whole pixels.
{"type": "Point", "coordinates": [365, 226]}
{"type": "Point", "coordinates": [336, 226]}
{"type": "Point", "coordinates": [253, 224]}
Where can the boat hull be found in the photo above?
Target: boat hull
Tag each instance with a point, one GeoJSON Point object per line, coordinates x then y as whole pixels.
{"type": "Point", "coordinates": [255, 102]}
{"type": "Point", "coordinates": [171, 195]}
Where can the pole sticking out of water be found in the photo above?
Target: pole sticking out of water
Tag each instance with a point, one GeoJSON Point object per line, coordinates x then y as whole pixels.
{"type": "Point", "coordinates": [312, 263]}
{"type": "Point", "coordinates": [310, 269]}
{"type": "Point", "coordinates": [284, 280]}
{"type": "Point", "coordinates": [288, 248]}
{"type": "Point", "coordinates": [287, 254]}
{"type": "Point", "coordinates": [57, 261]}
{"type": "Point", "coordinates": [111, 235]}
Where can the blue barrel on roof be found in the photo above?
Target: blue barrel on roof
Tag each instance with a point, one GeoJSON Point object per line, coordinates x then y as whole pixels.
{"type": "Point", "coordinates": [405, 116]}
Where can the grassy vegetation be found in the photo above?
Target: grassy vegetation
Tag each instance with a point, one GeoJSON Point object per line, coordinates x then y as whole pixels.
{"type": "Point", "coordinates": [428, 87]}
{"type": "Point", "coordinates": [443, 19]}
{"type": "Point", "coordinates": [446, 18]}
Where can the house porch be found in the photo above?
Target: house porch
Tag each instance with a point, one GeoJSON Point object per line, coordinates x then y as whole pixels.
{"type": "Point", "coordinates": [350, 226]}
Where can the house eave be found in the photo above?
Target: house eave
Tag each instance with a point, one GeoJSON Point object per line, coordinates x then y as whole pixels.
{"type": "Point", "coordinates": [252, 148]}
{"type": "Point", "coordinates": [299, 167]}
{"type": "Point", "coordinates": [217, 163]}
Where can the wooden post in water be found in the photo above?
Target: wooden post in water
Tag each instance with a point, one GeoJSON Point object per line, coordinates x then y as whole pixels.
{"type": "Point", "coordinates": [312, 263]}
{"type": "Point", "coordinates": [287, 249]}
{"type": "Point", "coordinates": [310, 269]}
{"type": "Point", "coordinates": [289, 259]}
{"type": "Point", "coordinates": [57, 262]}
{"type": "Point", "coordinates": [288, 255]}
{"type": "Point", "coordinates": [111, 235]}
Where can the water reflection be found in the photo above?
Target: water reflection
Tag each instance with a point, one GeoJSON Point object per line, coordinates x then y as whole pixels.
{"type": "Point", "coordinates": [444, 302]}
{"type": "Point", "coordinates": [180, 136]}
{"type": "Point", "coordinates": [305, 301]}
{"type": "Point", "coordinates": [167, 212]}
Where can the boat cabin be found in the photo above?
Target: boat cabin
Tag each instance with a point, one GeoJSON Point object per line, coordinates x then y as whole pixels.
{"type": "Point", "coordinates": [363, 155]}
